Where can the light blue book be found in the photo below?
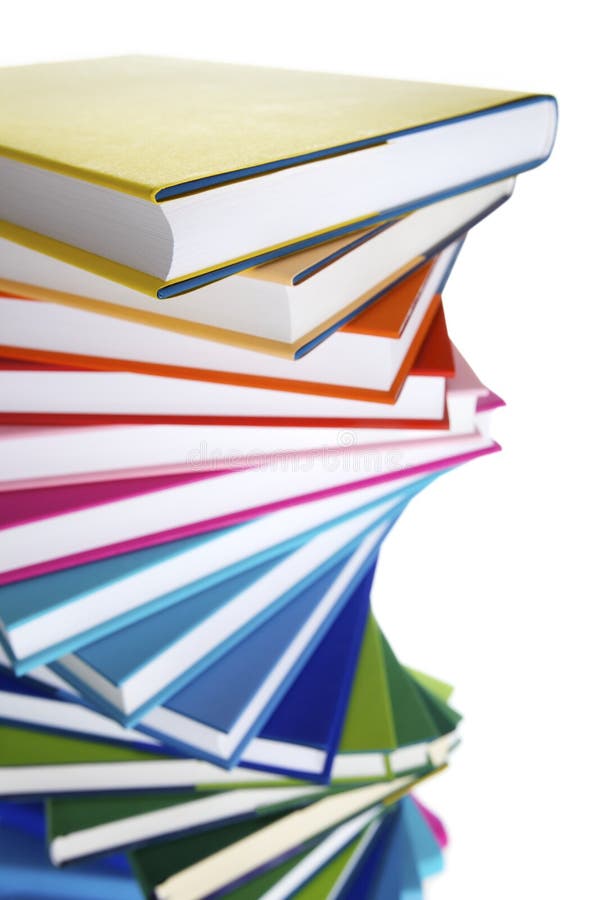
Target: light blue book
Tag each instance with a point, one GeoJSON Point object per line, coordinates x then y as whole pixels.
{"type": "Point", "coordinates": [427, 852]}
{"type": "Point", "coordinates": [397, 874]}
{"type": "Point", "coordinates": [401, 853]}
{"type": "Point", "coordinates": [44, 618]}
{"type": "Point", "coordinates": [136, 669]}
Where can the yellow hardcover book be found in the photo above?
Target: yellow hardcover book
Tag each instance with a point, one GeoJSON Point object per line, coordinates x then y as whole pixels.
{"type": "Point", "coordinates": [285, 308]}
{"type": "Point", "coordinates": [188, 171]}
{"type": "Point", "coordinates": [145, 124]}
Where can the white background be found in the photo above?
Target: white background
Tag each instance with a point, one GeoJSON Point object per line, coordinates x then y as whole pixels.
{"type": "Point", "coordinates": [490, 580]}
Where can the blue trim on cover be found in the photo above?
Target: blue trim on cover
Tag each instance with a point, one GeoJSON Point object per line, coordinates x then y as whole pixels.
{"type": "Point", "coordinates": [458, 235]}
{"type": "Point", "coordinates": [338, 254]}
{"type": "Point", "coordinates": [198, 184]}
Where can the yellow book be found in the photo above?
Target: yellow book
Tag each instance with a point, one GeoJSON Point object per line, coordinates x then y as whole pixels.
{"type": "Point", "coordinates": [285, 308]}
{"type": "Point", "coordinates": [188, 171]}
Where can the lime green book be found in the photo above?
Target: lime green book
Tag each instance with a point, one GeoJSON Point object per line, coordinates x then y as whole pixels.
{"type": "Point", "coordinates": [182, 172]}
{"type": "Point", "coordinates": [36, 763]}
{"type": "Point", "coordinates": [393, 723]}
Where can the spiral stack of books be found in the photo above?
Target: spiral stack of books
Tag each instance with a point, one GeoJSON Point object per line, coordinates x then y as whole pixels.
{"type": "Point", "coordinates": [224, 373]}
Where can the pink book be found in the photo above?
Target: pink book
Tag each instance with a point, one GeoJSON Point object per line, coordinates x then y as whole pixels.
{"type": "Point", "coordinates": [55, 528]}
{"type": "Point", "coordinates": [438, 829]}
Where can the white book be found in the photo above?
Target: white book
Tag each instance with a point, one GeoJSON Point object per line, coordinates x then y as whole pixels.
{"type": "Point", "coordinates": [90, 393]}
{"type": "Point", "coordinates": [84, 778]}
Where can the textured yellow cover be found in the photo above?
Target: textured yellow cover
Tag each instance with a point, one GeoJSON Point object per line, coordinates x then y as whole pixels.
{"type": "Point", "coordinates": [141, 124]}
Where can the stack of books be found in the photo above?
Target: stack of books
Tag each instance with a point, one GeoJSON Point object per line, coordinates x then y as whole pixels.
{"type": "Point", "coordinates": [225, 371]}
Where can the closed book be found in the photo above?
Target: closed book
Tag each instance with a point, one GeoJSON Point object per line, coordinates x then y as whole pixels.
{"type": "Point", "coordinates": [61, 764]}
{"type": "Point", "coordinates": [218, 713]}
{"type": "Point", "coordinates": [178, 144]}
{"type": "Point", "coordinates": [80, 827]}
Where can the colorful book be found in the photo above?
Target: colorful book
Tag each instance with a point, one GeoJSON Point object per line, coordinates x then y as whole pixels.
{"type": "Point", "coordinates": [302, 736]}
{"type": "Point", "coordinates": [140, 397]}
{"type": "Point", "coordinates": [217, 715]}
{"type": "Point", "coordinates": [390, 724]}
{"type": "Point", "coordinates": [355, 162]}
{"type": "Point", "coordinates": [270, 306]}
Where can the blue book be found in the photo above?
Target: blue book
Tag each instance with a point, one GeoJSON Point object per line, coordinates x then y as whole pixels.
{"type": "Point", "coordinates": [216, 716]}
{"type": "Point", "coordinates": [361, 883]}
{"type": "Point", "coordinates": [397, 861]}
{"type": "Point", "coordinates": [397, 874]}
{"type": "Point", "coordinates": [427, 852]}
{"type": "Point", "coordinates": [301, 737]}
{"type": "Point", "coordinates": [136, 669]}
{"type": "Point", "coordinates": [26, 872]}
{"type": "Point", "coordinates": [302, 732]}
{"type": "Point", "coordinates": [44, 618]}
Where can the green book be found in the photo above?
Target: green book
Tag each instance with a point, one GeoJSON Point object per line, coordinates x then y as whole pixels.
{"type": "Point", "coordinates": [323, 882]}
{"type": "Point", "coordinates": [39, 762]}
{"type": "Point", "coordinates": [395, 718]}
{"type": "Point", "coordinates": [227, 858]}
{"type": "Point", "coordinates": [21, 747]}
{"type": "Point", "coordinates": [80, 827]}
{"type": "Point", "coordinates": [314, 866]}
{"type": "Point", "coordinates": [152, 866]}
{"type": "Point", "coordinates": [441, 689]}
